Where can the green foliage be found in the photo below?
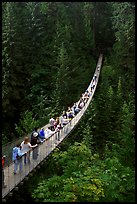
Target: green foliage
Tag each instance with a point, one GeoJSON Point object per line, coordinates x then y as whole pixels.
{"type": "Point", "coordinates": [102, 129]}
{"type": "Point", "coordinates": [86, 127]}
{"type": "Point", "coordinates": [123, 147]}
{"type": "Point", "coordinates": [73, 189]}
{"type": "Point", "coordinates": [108, 75]}
{"type": "Point", "coordinates": [118, 181]}
{"type": "Point", "coordinates": [104, 36]}
{"type": "Point", "coordinates": [5, 138]}
{"type": "Point", "coordinates": [124, 59]}
{"type": "Point", "coordinates": [88, 137]}
{"type": "Point", "coordinates": [26, 125]}
{"type": "Point", "coordinates": [88, 22]}
{"type": "Point", "coordinates": [126, 136]}
{"type": "Point", "coordinates": [86, 177]}
{"type": "Point", "coordinates": [123, 27]}
{"type": "Point", "coordinates": [72, 158]}
{"type": "Point", "coordinates": [76, 184]}
{"type": "Point", "coordinates": [62, 80]}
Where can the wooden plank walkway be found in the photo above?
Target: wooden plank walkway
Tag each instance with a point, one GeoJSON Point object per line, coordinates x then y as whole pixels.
{"type": "Point", "coordinates": [45, 148]}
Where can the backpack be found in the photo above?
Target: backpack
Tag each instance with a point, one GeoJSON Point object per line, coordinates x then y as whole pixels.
{"type": "Point", "coordinates": [15, 154]}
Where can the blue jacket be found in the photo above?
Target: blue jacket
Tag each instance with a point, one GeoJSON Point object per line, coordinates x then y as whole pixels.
{"type": "Point", "coordinates": [42, 134]}
{"type": "Point", "coordinates": [16, 151]}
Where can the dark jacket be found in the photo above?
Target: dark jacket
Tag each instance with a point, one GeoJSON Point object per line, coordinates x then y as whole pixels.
{"type": "Point", "coordinates": [34, 139]}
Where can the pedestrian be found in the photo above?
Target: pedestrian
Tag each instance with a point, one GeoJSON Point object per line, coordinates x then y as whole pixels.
{"type": "Point", "coordinates": [3, 177]}
{"type": "Point", "coordinates": [56, 122]}
{"type": "Point", "coordinates": [25, 148]}
{"type": "Point", "coordinates": [48, 132]}
{"type": "Point", "coordinates": [41, 135]}
{"type": "Point", "coordinates": [81, 104]}
{"type": "Point", "coordinates": [75, 108]}
{"type": "Point", "coordinates": [86, 96]}
{"type": "Point", "coordinates": [51, 122]}
{"type": "Point", "coordinates": [57, 132]}
{"type": "Point", "coordinates": [34, 141]}
{"type": "Point", "coordinates": [35, 130]}
{"type": "Point", "coordinates": [70, 113]}
{"type": "Point", "coordinates": [64, 114]}
{"type": "Point", "coordinates": [98, 67]}
{"type": "Point", "coordinates": [95, 77]}
{"type": "Point", "coordinates": [17, 158]}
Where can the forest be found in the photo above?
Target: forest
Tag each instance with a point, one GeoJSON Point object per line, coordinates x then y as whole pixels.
{"type": "Point", "coordinates": [49, 54]}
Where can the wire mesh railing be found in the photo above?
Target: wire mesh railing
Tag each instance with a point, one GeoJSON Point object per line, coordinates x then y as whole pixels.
{"type": "Point", "coordinates": [45, 148]}
{"type": "Point", "coordinates": [7, 148]}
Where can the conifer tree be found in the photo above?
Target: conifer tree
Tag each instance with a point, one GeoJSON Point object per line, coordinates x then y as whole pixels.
{"type": "Point", "coordinates": [126, 136]}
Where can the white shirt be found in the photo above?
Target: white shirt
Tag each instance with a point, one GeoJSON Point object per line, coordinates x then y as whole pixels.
{"type": "Point", "coordinates": [65, 121]}
{"type": "Point", "coordinates": [25, 147]}
{"type": "Point", "coordinates": [61, 120]}
{"type": "Point", "coordinates": [48, 133]}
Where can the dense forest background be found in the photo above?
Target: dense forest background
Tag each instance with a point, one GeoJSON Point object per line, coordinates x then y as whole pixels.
{"type": "Point", "coordinates": [49, 54]}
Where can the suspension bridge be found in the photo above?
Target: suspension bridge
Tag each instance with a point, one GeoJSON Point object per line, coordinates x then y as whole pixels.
{"type": "Point", "coordinates": [44, 149]}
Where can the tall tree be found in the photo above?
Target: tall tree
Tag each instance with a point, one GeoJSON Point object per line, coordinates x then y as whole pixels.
{"type": "Point", "coordinates": [126, 136]}
{"type": "Point", "coordinates": [124, 49]}
{"type": "Point", "coordinates": [102, 26]}
{"type": "Point", "coordinates": [13, 51]}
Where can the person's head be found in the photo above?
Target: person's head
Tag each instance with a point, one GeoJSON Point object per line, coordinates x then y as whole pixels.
{"type": "Point", "coordinates": [35, 134]}
{"type": "Point", "coordinates": [18, 144]}
{"type": "Point", "coordinates": [26, 140]}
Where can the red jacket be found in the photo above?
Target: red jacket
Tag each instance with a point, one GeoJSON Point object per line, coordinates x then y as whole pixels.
{"type": "Point", "coordinates": [3, 161]}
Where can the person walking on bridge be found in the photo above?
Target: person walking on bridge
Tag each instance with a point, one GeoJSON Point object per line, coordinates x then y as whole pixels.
{"type": "Point", "coordinates": [42, 135]}
{"type": "Point", "coordinates": [25, 148]}
{"type": "Point", "coordinates": [51, 122]}
{"type": "Point", "coordinates": [17, 158]}
{"type": "Point", "coordinates": [34, 141]}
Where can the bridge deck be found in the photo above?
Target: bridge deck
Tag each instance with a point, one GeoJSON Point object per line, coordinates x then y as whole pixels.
{"type": "Point", "coordinates": [45, 148]}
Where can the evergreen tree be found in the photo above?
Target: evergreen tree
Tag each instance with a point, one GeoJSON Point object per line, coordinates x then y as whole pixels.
{"type": "Point", "coordinates": [14, 70]}
{"type": "Point", "coordinates": [126, 136]}
{"type": "Point", "coordinates": [123, 55]}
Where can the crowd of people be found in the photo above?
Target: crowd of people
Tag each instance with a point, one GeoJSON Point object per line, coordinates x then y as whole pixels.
{"type": "Point", "coordinates": [55, 125]}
